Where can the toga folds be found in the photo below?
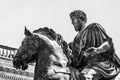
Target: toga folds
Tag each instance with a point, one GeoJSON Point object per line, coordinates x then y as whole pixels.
{"type": "Point", "coordinates": [106, 63]}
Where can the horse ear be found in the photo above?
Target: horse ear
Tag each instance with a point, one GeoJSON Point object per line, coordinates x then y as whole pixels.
{"type": "Point", "coordinates": [27, 32]}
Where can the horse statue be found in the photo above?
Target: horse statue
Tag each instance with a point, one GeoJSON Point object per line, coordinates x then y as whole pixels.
{"type": "Point", "coordinates": [48, 50]}
{"type": "Point", "coordinates": [51, 54]}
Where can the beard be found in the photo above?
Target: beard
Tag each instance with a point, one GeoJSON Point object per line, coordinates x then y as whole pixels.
{"type": "Point", "coordinates": [78, 27]}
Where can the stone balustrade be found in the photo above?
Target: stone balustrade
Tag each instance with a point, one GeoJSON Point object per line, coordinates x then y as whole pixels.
{"type": "Point", "coordinates": [7, 52]}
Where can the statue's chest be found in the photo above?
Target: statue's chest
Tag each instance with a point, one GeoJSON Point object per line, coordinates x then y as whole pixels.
{"type": "Point", "coordinates": [77, 41]}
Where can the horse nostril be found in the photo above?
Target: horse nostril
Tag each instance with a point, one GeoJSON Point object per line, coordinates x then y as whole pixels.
{"type": "Point", "coordinates": [24, 67]}
{"type": "Point", "coordinates": [16, 63]}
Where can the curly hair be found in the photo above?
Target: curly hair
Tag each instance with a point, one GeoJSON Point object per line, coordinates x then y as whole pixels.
{"type": "Point", "coordinates": [79, 14]}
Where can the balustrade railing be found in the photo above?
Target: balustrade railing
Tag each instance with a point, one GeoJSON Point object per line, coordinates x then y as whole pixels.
{"type": "Point", "coordinates": [7, 52]}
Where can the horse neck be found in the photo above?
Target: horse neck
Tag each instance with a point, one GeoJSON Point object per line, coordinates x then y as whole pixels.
{"type": "Point", "coordinates": [42, 63]}
{"type": "Point", "coordinates": [51, 53]}
{"type": "Point", "coordinates": [56, 50]}
{"type": "Point", "coordinates": [45, 64]}
{"type": "Point", "coordinates": [58, 54]}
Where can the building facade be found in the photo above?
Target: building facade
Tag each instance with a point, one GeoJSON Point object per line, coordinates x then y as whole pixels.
{"type": "Point", "coordinates": [7, 71]}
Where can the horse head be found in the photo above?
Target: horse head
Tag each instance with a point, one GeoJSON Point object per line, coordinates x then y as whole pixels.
{"type": "Point", "coordinates": [27, 51]}
{"type": "Point", "coordinates": [45, 47]}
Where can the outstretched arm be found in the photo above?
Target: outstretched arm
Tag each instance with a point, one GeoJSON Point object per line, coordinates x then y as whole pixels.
{"type": "Point", "coordinates": [93, 50]}
{"type": "Point", "coordinates": [103, 48]}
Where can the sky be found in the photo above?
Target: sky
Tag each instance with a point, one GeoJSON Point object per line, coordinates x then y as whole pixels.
{"type": "Point", "coordinates": [15, 14]}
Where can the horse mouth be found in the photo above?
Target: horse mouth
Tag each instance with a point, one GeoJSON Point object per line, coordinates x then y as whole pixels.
{"type": "Point", "coordinates": [19, 64]}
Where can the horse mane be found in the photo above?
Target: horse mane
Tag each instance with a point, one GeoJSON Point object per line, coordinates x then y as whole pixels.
{"type": "Point", "coordinates": [47, 31]}
{"type": "Point", "coordinates": [50, 32]}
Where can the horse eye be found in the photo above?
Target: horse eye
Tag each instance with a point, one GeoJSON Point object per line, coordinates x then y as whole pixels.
{"type": "Point", "coordinates": [30, 41]}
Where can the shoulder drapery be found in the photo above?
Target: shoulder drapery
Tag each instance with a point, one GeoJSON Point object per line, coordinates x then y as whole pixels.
{"type": "Point", "coordinates": [107, 63]}
{"type": "Point", "coordinates": [92, 36]}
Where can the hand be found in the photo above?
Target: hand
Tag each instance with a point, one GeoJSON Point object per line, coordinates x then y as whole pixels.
{"type": "Point", "coordinates": [90, 52]}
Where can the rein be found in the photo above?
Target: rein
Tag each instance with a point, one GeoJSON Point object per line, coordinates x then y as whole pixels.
{"type": "Point", "coordinates": [62, 72]}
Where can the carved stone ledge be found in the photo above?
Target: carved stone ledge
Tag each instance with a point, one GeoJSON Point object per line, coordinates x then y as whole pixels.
{"type": "Point", "coordinates": [13, 77]}
{"type": "Point", "coordinates": [15, 71]}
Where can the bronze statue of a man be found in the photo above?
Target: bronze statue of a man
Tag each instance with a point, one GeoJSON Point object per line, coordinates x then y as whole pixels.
{"type": "Point", "coordinates": [92, 49]}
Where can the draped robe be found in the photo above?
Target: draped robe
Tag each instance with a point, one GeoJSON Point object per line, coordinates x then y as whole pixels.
{"type": "Point", "coordinates": [106, 63]}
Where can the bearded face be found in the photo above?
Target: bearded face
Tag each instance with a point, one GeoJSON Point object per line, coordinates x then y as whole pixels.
{"type": "Point", "coordinates": [77, 23]}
